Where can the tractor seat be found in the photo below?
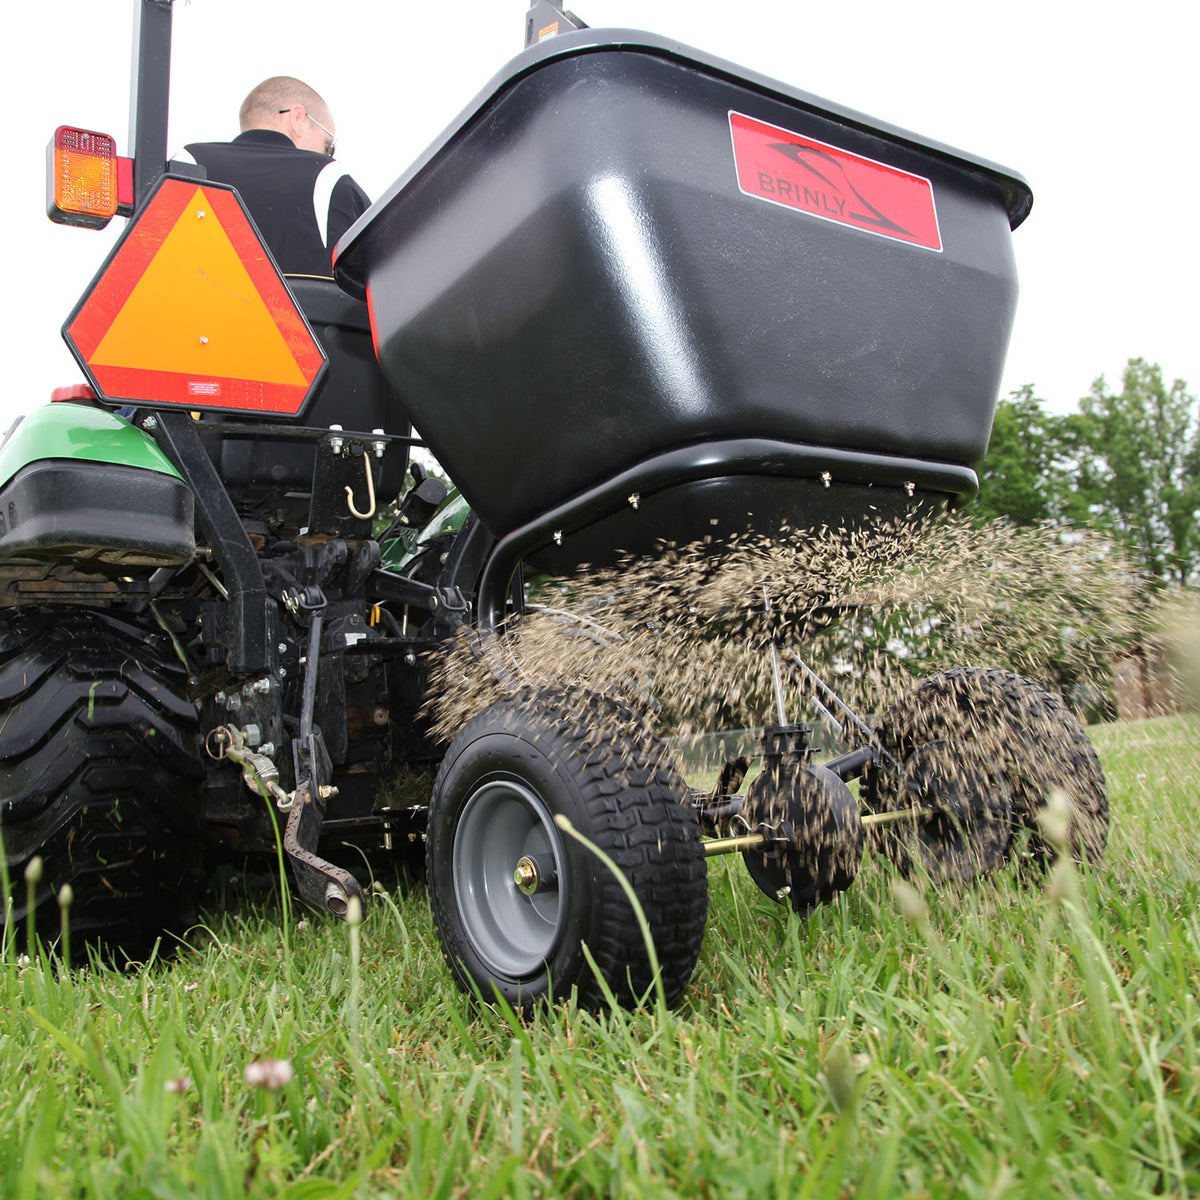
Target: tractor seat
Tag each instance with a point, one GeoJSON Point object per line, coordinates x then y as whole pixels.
{"type": "Point", "coordinates": [274, 471]}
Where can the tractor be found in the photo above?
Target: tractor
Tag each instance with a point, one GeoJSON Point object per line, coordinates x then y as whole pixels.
{"type": "Point", "coordinates": [633, 296]}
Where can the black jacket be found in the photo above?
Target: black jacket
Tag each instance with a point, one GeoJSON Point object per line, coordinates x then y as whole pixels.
{"type": "Point", "coordinates": [302, 202]}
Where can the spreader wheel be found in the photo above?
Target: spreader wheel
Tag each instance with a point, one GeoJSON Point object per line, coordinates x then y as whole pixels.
{"type": "Point", "coordinates": [814, 821]}
{"type": "Point", "coordinates": [954, 818]}
{"type": "Point", "coordinates": [520, 904]}
{"type": "Point", "coordinates": [1004, 724]}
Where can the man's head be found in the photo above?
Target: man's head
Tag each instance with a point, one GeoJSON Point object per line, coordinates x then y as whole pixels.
{"type": "Point", "coordinates": [290, 107]}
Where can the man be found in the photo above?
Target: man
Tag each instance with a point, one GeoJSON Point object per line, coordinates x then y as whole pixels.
{"type": "Point", "coordinates": [282, 166]}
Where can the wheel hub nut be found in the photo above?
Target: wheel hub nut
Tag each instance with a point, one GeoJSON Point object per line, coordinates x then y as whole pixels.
{"type": "Point", "coordinates": [536, 873]}
{"type": "Point", "coordinates": [526, 876]}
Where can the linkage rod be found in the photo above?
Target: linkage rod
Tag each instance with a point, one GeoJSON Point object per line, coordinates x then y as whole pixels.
{"type": "Point", "coordinates": [756, 841]}
{"type": "Point", "coordinates": [731, 845]}
{"type": "Point", "coordinates": [812, 678]}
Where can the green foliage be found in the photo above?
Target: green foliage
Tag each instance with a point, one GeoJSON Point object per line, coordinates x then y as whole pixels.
{"type": "Point", "coordinates": [1004, 1040]}
{"type": "Point", "coordinates": [1137, 458]}
{"type": "Point", "coordinates": [1126, 464]}
{"type": "Point", "coordinates": [1125, 467]}
{"type": "Point", "coordinates": [1021, 479]}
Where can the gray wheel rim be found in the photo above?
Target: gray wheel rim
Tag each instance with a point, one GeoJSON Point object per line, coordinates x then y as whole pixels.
{"type": "Point", "coordinates": [503, 821]}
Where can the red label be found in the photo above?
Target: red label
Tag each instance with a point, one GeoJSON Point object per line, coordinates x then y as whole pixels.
{"type": "Point", "coordinates": [812, 177]}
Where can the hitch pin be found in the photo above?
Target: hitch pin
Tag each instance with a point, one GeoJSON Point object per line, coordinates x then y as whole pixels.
{"type": "Point", "coordinates": [259, 773]}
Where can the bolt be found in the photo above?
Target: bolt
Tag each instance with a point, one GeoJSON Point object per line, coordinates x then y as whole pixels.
{"type": "Point", "coordinates": [380, 716]}
{"type": "Point", "coordinates": [327, 791]}
{"type": "Point", "coordinates": [282, 647]}
{"type": "Point", "coordinates": [203, 339]}
{"type": "Point", "coordinates": [200, 214]}
{"type": "Point", "coordinates": [380, 446]}
{"type": "Point", "coordinates": [151, 422]}
{"type": "Point", "coordinates": [410, 659]}
{"type": "Point", "coordinates": [635, 500]}
{"type": "Point", "coordinates": [910, 487]}
{"type": "Point", "coordinates": [558, 537]}
{"type": "Point", "coordinates": [826, 478]}
{"type": "Point", "coordinates": [526, 876]}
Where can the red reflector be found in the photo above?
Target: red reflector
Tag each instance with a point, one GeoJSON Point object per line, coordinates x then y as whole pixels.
{"type": "Point", "coordinates": [82, 187]}
{"type": "Point", "coordinates": [125, 186]}
{"type": "Point", "coordinates": [72, 391]}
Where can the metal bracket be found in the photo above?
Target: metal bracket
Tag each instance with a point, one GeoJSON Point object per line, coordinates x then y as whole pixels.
{"type": "Point", "coordinates": [319, 882]}
{"type": "Point", "coordinates": [248, 625]}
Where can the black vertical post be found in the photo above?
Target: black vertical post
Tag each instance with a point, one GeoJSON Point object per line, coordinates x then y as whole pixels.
{"type": "Point", "coordinates": [149, 92]}
{"type": "Point", "coordinates": [548, 12]}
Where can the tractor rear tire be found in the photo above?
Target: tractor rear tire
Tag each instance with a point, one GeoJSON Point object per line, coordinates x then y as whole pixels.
{"type": "Point", "coordinates": [99, 778]}
{"type": "Point", "coordinates": [1033, 740]}
{"type": "Point", "coordinates": [510, 774]}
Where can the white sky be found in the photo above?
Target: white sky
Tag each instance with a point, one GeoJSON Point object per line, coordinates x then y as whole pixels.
{"type": "Point", "coordinates": [1095, 103]}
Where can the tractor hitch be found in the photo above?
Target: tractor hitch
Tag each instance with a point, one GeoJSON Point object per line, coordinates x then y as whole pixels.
{"type": "Point", "coordinates": [320, 883]}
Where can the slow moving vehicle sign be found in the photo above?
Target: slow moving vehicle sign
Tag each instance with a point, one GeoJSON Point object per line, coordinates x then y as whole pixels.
{"type": "Point", "coordinates": [190, 311]}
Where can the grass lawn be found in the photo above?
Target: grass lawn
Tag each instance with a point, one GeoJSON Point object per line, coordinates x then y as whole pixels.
{"type": "Point", "coordinates": [1002, 1040]}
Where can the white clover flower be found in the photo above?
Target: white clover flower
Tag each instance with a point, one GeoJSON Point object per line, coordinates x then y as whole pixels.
{"type": "Point", "coordinates": [270, 1073]}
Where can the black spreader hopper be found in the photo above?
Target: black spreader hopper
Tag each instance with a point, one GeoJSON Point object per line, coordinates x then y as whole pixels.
{"type": "Point", "coordinates": [636, 293]}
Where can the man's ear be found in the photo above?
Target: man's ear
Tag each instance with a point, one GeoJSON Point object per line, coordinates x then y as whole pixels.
{"type": "Point", "coordinates": [295, 122]}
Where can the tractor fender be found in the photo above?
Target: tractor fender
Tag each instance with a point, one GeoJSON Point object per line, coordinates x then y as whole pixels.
{"type": "Point", "coordinates": [81, 483]}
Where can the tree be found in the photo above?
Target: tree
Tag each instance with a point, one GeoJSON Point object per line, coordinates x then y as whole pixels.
{"type": "Point", "coordinates": [1022, 478]}
{"type": "Point", "coordinates": [1137, 457]}
{"type": "Point", "coordinates": [1126, 463]}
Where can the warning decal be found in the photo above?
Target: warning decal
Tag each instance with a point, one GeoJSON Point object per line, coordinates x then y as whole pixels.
{"type": "Point", "coordinates": [801, 173]}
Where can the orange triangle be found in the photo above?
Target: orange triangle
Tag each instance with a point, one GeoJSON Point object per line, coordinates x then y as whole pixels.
{"type": "Point", "coordinates": [195, 310]}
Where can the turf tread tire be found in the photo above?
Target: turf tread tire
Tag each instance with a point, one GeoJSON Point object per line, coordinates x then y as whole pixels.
{"type": "Point", "coordinates": [99, 777]}
{"type": "Point", "coordinates": [1028, 732]}
{"type": "Point", "coordinates": [597, 765]}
